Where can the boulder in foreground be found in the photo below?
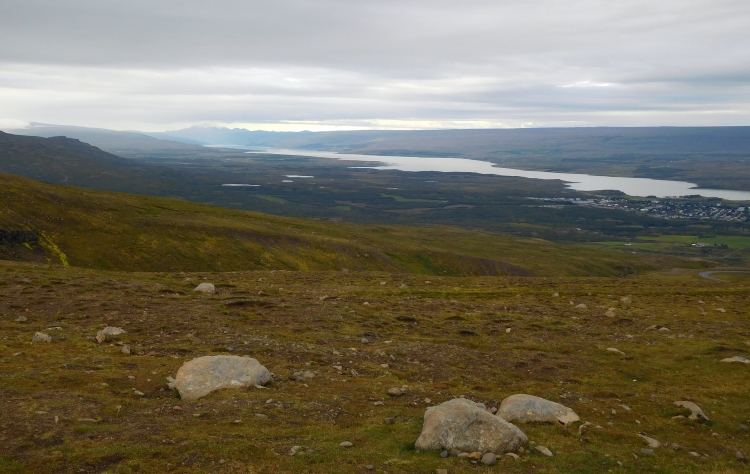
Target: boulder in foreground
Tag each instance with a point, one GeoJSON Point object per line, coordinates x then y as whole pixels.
{"type": "Point", "coordinates": [201, 376]}
{"type": "Point", "coordinates": [111, 331]}
{"type": "Point", "coordinates": [467, 426]}
{"type": "Point", "coordinates": [530, 409]}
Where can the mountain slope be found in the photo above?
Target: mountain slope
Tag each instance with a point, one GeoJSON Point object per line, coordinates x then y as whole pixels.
{"type": "Point", "coordinates": [128, 144]}
{"type": "Point", "coordinates": [116, 231]}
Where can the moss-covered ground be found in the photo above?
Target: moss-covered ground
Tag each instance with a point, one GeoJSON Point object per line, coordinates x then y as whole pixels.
{"type": "Point", "coordinates": [71, 405]}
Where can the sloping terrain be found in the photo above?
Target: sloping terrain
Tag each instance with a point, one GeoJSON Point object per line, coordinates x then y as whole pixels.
{"type": "Point", "coordinates": [127, 144]}
{"type": "Point", "coordinates": [116, 231]}
{"type": "Point", "coordinates": [72, 405]}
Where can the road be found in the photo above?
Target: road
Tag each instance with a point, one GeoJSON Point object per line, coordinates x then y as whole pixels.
{"type": "Point", "coordinates": [707, 274]}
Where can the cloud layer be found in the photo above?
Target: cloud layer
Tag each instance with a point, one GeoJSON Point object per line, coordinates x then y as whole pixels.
{"type": "Point", "coordinates": [388, 64]}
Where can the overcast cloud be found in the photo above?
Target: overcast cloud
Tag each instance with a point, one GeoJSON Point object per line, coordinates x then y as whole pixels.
{"type": "Point", "coordinates": [325, 64]}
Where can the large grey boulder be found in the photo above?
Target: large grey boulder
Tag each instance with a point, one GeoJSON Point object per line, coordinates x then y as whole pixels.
{"type": "Point", "coordinates": [201, 376]}
{"type": "Point", "coordinates": [530, 409]}
{"type": "Point", "coordinates": [467, 426]}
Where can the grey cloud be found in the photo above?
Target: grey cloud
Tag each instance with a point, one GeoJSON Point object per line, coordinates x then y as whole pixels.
{"type": "Point", "coordinates": [151, 64]}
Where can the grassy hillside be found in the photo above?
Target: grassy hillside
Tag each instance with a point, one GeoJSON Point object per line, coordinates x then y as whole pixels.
{"type": "Point", "coordinates": [71, 406]}
{"type": "Point", "coordinates": [108, 230]}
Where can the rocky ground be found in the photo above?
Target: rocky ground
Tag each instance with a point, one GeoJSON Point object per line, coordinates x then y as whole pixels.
{"type": "Point", "coordinates": [619, 352]}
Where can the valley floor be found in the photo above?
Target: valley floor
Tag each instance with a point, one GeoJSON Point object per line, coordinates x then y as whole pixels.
{"type": "Point", "coordinates": [73, 405]}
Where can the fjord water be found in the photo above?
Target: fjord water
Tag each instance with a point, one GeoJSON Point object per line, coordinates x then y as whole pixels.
{"type": "Point", "coordinates": [578, 182]}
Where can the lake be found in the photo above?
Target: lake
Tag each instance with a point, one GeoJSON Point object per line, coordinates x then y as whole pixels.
{"type": "Point", "coordinates": [579, 182]}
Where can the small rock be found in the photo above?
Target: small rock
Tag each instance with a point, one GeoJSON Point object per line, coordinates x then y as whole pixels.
{"type": "Point", "coordinates": [695, 410]}
{"type": "Point", "coordinates": [583, 427]}
{"type": "Point", "coordinates": [625, 300]}
{"type": "Point", "coordinates": [615, 350]}
{"type": "Point", "coordinates": [441, 471]}
{"type": "Point", "coordinates": [736, 359]}
{"type": "Point", "coordinates": [370, 467]}
{"type": "Point", "coordinates": [110, 331]}
{"type": "Point", "coordinates": [382, 283]}
{"type": "Point", "coordinates": [721, 310]}
{"type": "Point", "coordinates": [610, 313]}
{"type": "Point", "coordinates": [138, 392]}
{"type": "Point", "coordinates": [41, 337]}
{"type": "Point", "coordinates": [444, 454]}
{"type": "Point", "coordinates": [21, 319]}
{"type": "Point", "coordinates": [346, 444]}
{"type": "Point", "coordinates": [365, 340]}
{"type": "Point", "coordinates": [489, 459]}
{"type": "Point", "coordinates": [693, 453]}
{"type": "Point", "coordinates": [741, 457]}
{"type": "Point", "coordinates": [125, 349]}
{"type": "Point", "coordinates": [403, 285]}
{"type": "Point", "coordinates": [463, 455]}
{"type": "Point", "coordinates": [513, 455]}
{"type": "Point", "coordinates": [582, 306]}
{"type": "Point", "coordinates": [664, 329]}
{"type": "Point", "coordinates": [389, 421]}
{"type": "Point", "coordinates": [544, 450]}
{"type": "Point", "coordinates": [338, 367]}
{"type": "Point", "coordinates": [395, 392]}
{"type": "Point", "coordinates": [647, 451]}
{"type": "Point", "coordinates": [742, 427]}
{"type": "Point", "coordinates": [294, 450]}
{"type": "Point", "coordinates": [379, 404]}
{"type": "Point", "coordinates": [555, 295]}
{"type": "Point", "coordinates": [428, 282]}
{"type": "Point", "coordinates": [302, 375]}
{"type": "Point", "coordinates": [530, 409]}
{"type": "Point", "coordinates": [652, 443]}
{"type": "Point", "coordinates": [205, 288]}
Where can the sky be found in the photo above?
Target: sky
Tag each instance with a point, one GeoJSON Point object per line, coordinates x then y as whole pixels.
{"type": "Point", "coordinates": [156, 65]}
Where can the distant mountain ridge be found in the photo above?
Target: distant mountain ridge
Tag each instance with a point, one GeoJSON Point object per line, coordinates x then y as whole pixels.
{"type": "Point", "coordinates": [211, 135]}
{"type": "Point", "coordinates": [128, 143]}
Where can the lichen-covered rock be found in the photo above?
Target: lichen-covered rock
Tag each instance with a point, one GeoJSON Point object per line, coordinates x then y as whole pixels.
{"type": "Point", "coordinates": [110, 331]}
{"type": "Point", "coordinates": [695, 410]}
{"type": "Point", "coordinates": [530, 409]}
{"type": "Point", "coordinates": [467, 426]}
{"type": "Point", "coordinates": [201, 376]}
{"type": "Point", "coordinates": [41, 337]}
{"type": "Point", "coordinates": [206, 288]}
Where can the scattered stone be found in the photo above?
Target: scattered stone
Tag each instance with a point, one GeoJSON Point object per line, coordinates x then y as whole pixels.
{"type": "Point", "coordinates": [625, 407]}
{"type": "Point", "coordinates": [475, 456]}
{"type": "Point", "coordinates": [303, 375]}
{"type": "Point", "coordinates": [41, 337]}
{"type": "Point", "coordinates": [428, 282]}
{"type": "Point", "coordinates": [721, 310]}
{"type": "Point", "coordinates": [441, 471]}
{"type": "Point", "coordinates": [611, 313]}
{"type": "Point", "coordinates": [695, 410]}
{"type": "Point", "coordinates": [652, 443]}
{"type": "Point", "coordinates": [444, 454]}
{"type": "Point", "coordinates": [346, 444]}
{"type": "Point", "coordinates": [463, 455]}
{"type": "Point", "coordinates": [693, 453]}
{"type": "Point", "coordinates": [403, 285]}
{"type": "Point", "coordinates": [489, 459]}
{"type": "Point", "coordinates": [203, 375]}
{"type": "Point", "coordinates": [544, 450]}
{"type": "Point", "coordinates": [530, 409]}
{"type": "Point", "coordinates": [395, 392]}
{"type": "Point", "coordinates": [389, 421]}
{"type": "Point", "coordinates": [555, 295]}
{"type": "Point", "coordinates": [741, 457]}
{"type": "Point", "coordinates": [382, 283]}
{"type": "Point", "coordinates": [647, 451]}
{"type": "Point", "coordinates": [455, 452]}
{"type": "Point", "coordinates": [110, 331]}
{"type": "Point", "coordinates": [513, 455]}
{"type": "Point", "coordinates": [205, 288]}
{"type": "Point", "coordinates": [365, 340]}
{"type": "Point", "coordinates": [21, 319]}
{"type": "Point", "coordinates": [466, 425]}
{"type": "Point", "coordinates": [625, 300]}
{"type": "Point", "coordinates": [138, 392]}
{"type": "Point", "coordinates": [582, 306]}
{"type": "Point", "coordinates": [736, 359]}
{"type": "Point", "coordinates": [583, 427]}
{"type": "Point", "coordinates": [125, 349]}
{"type": "Point", "coordinates": [294, 450]}
{"type": "Point", "coordinates": [742, 427]}
{"type": "Point", "coordinates": [664, 329]}
{"type": "Point", "coordinates": [379, 404]}
{"type": "Point", "coordinates": [615, 350]}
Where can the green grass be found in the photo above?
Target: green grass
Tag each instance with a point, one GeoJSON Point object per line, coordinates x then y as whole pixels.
{"type": "Point", "coordinates": [553, 350]}
{"type": "Point", "coordinates": [732, 241]}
